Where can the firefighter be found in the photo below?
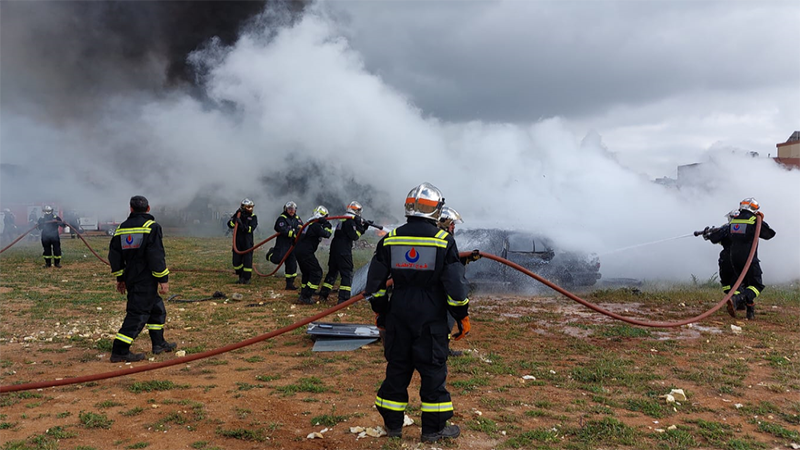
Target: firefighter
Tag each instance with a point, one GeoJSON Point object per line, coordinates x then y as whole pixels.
{"type": "Point", "coordinates": [341, 256]}
{"type": "Point", "coordinates": [318, 229]}
{"type": "Point", "coordinates": [287, 226]}
{"type": "Point", "coordinates": [9, 228]}
{"type": "Point", "coordinates": [137, 259]}
{"type": "Point", "coordinates": [742, 233]}
{"type": "Point", "coordinates": [247, 223]}
{"type": "Point", "coordinates": [49, 225]}
{"type": "Point", "coordinates": [447, 221]}
{"type": "Point", "coordinates": [721, 235]}
{"type": "Point", "coordinates": [428, 282]}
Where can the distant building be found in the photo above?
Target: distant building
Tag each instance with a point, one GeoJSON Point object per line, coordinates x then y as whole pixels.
{"type": "Point", "coordinates": [789, 151]}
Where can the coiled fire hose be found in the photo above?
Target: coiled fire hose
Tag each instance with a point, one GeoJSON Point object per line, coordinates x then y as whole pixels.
{"type": "Point", "coordinates": [263, 337]}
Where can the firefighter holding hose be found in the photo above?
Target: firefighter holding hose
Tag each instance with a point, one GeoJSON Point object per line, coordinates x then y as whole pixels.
{"type": "Point", "coordinates": [428, 281]}
{"type": "Point", "coordinates": [287, 225]}
{"type": "Point", "coordinates": [247, 223]}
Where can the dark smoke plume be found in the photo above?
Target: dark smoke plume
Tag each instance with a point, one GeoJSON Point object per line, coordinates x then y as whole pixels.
{"type": "Point", "coordinates": [63, 58]}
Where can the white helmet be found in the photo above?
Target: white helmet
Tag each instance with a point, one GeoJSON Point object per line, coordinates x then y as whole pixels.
{"type": "Point", "coordinates": [425, 200]}
{"type": "Point", "coordinates": [732, 214]}
{"type": "Point", "coordinates": [290, 205]}
{"type": "Point", "coordinates": [448, 217]}
{"type": "Point", "coordinates": [354, 208]}
{"type": "Point", "coordinates": [47, 209]}
{"type": "Point", "coordinates": [248, 205]}
{"type": "Point", "coordinates": [749, 204]}
{"type": "Point", "coordinates": [319, 211]}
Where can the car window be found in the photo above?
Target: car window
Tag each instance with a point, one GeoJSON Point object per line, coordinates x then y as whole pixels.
{"type": "Point", "coordinates": [520, 243]}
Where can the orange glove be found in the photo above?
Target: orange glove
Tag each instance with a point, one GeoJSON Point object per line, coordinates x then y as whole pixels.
{"type": "Point", "coordinates": [463, 328]}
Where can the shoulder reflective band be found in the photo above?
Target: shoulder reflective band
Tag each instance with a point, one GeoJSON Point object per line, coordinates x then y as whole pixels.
{"type": "Point", "coordinates": [749, 221]}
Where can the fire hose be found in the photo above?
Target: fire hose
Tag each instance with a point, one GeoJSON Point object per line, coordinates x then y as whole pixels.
{"type": "Point", "coordinates": [263, 337]}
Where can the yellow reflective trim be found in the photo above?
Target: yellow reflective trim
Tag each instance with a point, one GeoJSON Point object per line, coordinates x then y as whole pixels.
{"type": "Point", "coordinates": [249, 229]}
{"type": "Point", "coordinates": [291, 275]}
{"type": "Point", "coordinates": [313, 286]}
{"type": "Point", "coordinates": [123, 338]}
{"type": "Point", "coordinates": [118, 273]}
{"type": "Point", "coordinates": [155, 326]}
{"type": "Point", "coordinates": [380, 293]}
{"type": "Point", "coordinates": [437, 407]}
{"type": "Point", "coordinates": [238, 267]}
{"type": "Point", "coordinates": [246, 269]}
{"type": "Point", "coordinates": [452, 302]}
{"type": "Point", "coordinates": [231, 224]}
{"type": "Point", "coordinates": [390, 405]}
{"type": "Point", "coordinates": [726, 287]}
{"type": "Point", "coordinates": [442, 234]}
{"type": "Point", "coordinates": [749, 221]}
{"type": "Point", "coordinates": [148, 223]}
{"type": "Point", "coordinates": [754, 290]}
{"type": "Point", "coordinates": [393, 233]}
{"type": "Point", "coordinates": [56, 257]}
{"type": "Point", "coordinates": [344, 288]}
{"type": "Point", "coordinates": [327, 285]}
{"type": "Point", "coordinates": [121, 231]}
{"type": "Point", "coordinates": [413, 240]}
{"type": "Point", "coordinates": [161, 274]}
{"type": "Point", "coordinates": [358, 233]}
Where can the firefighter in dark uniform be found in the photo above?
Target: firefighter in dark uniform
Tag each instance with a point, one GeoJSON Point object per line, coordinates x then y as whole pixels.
{"type": "Point", "coordinates": [49, 225]}
{"type": "Point", "coordinates": [9, 227]}
{"type": "Point", "coordinates": [137, 259]}
{"type": "Point", "coordinates": [341, 256]}
{"type": "Point", "coordinates": [721, 235]}
{"type": "Point", "coordinates": [287, 226]}
{"type": "Point", "coordinates": [247, 222]}
{"type": "Point", "coordinates": [318, 229]}
{"type": "Point", "coordinates": [742, 233]}
{"type": "Point", "coordinates": [428, 282]}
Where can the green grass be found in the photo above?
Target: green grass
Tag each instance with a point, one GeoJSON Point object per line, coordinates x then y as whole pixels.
{"type": "Point", "coordinates": [93, 420]}
{"type": "Point", "coordinates": [154, 385]}
{"type": "Point", "coordinates": [309, 384]}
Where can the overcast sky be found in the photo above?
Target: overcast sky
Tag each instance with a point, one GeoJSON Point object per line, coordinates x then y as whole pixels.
{"type": "Point", "coordinates": [547, 116]}
{"type": "Point", "coordinates": [660, 81]}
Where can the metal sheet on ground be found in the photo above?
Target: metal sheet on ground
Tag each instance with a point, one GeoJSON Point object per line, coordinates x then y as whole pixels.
{"type": "Point", "coordinates": [353, 330]}
{"type": "Point", "coordinates": [328, 344]}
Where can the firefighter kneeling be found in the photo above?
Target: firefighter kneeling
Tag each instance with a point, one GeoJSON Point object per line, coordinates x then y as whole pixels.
{"type": "Point", "coordinates": [428, 282]}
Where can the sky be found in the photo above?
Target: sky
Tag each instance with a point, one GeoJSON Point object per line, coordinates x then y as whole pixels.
{"type": "Point", "coordinates": [546, 116]}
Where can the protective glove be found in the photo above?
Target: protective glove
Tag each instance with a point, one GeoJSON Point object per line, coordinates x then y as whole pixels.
{"type": "Point", "coordinates": [476, 255]}
{"type": "Point", "coordinates": [707, 233]}
{"type": "Point", "coordinates": [463, 328]}
{"type": "Point", "coordinates": [380, 321]}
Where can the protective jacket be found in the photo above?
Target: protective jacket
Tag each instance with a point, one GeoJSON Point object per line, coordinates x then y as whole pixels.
{"type": "Point", "coordinates": [136, 253]}
{"type": "Point", "coordinates": [742, 230]}
{"type": "Point", "coordinates": [248, 223]}
{"type": "Point", "coordinates": [310, 238]}
{"type": "Point", "coordinates": [287, 227]}
{"type": "Point", "coordinates": [340, 260]}
{"type": "Point", "coordinates": [428, 281]}
{"type": "Point", "coordinates": [49, 224]}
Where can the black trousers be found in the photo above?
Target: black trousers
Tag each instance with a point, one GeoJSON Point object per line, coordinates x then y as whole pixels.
{"type": "Point", "coordinates": [752, 285]}
{"type": "Point", "coordinates": [409, 348]}
{"type": "Point", "coordinates": [145, 307]}
{"type": "Point", "coordinates": [243, 264]}
{"type": "Point", "coordinates": [727, 274]}
{"type": "Point", "coordinates": [312, 273]}
{"type": "Point", "coordinates": [339, 264]}
{"type": "Point", "coordinates": [52, 248]}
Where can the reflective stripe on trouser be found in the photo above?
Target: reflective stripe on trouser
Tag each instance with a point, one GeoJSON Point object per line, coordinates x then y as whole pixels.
{"type": "Point", "coordinates": [144, 307]}
{"type": "Point", "coordinates": [751, 286]}
{"type": "Point", "coordinates": [243, 264]}
{"type": "Point", "coordinates": [312, 272]}
{"type": "Point", "coordinates": [290, 266]}
{"type": "Point", "coordinates": [427, 354]}
{"type": "Point", "coordinates": [51, 247]}
{"type": "Point", "coordinates": [340, 263]}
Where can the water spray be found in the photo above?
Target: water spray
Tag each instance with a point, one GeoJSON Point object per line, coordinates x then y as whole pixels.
{"type": "Point", "coordinates": [647, 243]}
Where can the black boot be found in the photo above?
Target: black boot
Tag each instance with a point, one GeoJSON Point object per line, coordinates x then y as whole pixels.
{"type": "Point", "coordinates": [323, 295]}
{"type": "Point", "coordinates": [751, 311]}
{"type": "Point", "coordinates": [160, 345]}
{"type": "Point", "coordinates": [121, 352]}
{"type": "Point", "coordinates": [290, 284]}
{"type": "Point", "coordinates": [46, 264]}
{"type": "Point", "coordinates": [448, 432]}
{"type": "Point", "coordinates": [343, 297]}
{"type": "Point", "coordinates": [305, 297]}
{"type": "Point", "coordinates": [58, 263]}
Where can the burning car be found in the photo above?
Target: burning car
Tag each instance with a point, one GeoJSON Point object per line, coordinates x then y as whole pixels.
{"type": "Point", "coordinates": [532, 251]}
{"type": "Point", "coordinates": [535, 252]}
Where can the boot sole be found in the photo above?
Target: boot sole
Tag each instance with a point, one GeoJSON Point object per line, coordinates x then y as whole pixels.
{"type": "Point", "coordinates": [731, 309]}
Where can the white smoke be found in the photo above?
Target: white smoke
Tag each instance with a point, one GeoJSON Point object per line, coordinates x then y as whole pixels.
{"type": "Point", "coordinates": [301, 101]}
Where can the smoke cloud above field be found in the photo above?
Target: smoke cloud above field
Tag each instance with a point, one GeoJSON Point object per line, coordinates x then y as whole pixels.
{"type": "Point", "coordinates": [285, 108]}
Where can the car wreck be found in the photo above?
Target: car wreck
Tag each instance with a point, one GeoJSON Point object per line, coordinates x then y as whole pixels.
{"type": "Point", "coordinates": [533, 251]}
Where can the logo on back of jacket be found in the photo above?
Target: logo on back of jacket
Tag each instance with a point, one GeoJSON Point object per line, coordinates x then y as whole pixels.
{"type": "Point", "coordinates": [738, 228]}
{"type": "Point", "coordinates": [416, 258]}
{"type": "Point", "coordinates": [132, 241]}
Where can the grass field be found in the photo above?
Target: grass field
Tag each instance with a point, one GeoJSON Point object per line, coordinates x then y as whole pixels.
{"type": "Point", "coordinates": [539, 372]}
